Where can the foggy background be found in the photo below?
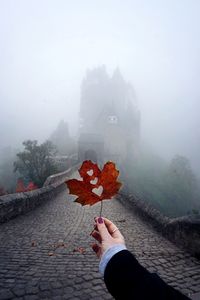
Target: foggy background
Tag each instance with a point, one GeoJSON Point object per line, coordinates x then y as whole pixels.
{"type": "Point", "coordinates": [47, 46]}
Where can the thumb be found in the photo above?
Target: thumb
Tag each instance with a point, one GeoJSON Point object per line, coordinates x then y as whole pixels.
{"type": "Point", "coordinates": [103, 231]}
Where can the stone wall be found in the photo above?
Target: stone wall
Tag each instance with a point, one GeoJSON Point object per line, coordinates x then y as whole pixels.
{"type": "Point", "coordinates": [184, 231]}
{"type": "Point", "coordinates": [59, 178]}
{"type": "Point", "coordinates": [13, 205]}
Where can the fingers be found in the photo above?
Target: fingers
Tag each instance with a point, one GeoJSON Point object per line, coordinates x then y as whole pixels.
{"type": "Point", "coordinates": [106, 234]}
{"type": "Point", "coordinates": [96, 249]}
{"type": "Point", "coordinates": [96, 235]}
{"type": "Point", "coordinates": [95, 228]}
{"type": "Point", "coordinates": [110, 225]}
{"type": "Point", "coordinates": [112, 229]}
{"type": "Point", "coordinates": [102, 229]}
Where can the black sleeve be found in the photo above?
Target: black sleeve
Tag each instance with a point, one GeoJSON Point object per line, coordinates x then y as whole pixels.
{"type": "Point", "coordinates": [126, 279]}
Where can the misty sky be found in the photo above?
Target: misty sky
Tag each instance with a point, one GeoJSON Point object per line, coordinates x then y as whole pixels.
{"type": "Point", "coordinates": [46, 47]}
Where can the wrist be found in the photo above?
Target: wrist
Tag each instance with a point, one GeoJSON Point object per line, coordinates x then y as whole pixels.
{"type": "Point", "coordinates": [108, 254]}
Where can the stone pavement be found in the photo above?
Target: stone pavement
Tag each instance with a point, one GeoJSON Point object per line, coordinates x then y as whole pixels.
{"type": "Point", "coordinates": [46, 253]}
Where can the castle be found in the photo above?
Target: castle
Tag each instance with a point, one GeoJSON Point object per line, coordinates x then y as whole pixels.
{"type": "Point", "coordinates": [109, 117]}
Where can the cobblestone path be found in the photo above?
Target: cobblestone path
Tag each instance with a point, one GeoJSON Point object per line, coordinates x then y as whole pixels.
{"type": "Point", "coordinates": [39, 257]}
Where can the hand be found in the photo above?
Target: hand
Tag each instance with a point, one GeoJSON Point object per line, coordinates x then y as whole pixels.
{"type": "Point", "coordinates": [107, 234]}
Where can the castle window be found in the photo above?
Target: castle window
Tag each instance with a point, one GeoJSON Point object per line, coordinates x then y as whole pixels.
{"type": "Point", "coordinates": [112, 119]}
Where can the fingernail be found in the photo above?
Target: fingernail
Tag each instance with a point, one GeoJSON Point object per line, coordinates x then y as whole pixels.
{"type": "Point", "coordinates": [100, 220]}
{"type": "Point", "coordinates": [95, 248]}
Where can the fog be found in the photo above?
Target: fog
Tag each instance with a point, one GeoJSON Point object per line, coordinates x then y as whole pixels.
{"type": "Point", "coordinates": [47, 46]}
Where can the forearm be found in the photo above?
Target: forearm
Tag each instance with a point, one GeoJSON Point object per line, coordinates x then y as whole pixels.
{"type": "Point", "coordinates": [125, 278]}
{"type": "Point", "coordinates": [106, 257]}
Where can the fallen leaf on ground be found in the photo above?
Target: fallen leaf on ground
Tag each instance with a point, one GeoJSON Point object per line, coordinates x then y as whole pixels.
{"type": "Point", "coordinates": [80, 250]}
{"type": "Point", "coordinates": [60, 244]}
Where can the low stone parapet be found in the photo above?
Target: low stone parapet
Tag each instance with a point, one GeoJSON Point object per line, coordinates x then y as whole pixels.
{"type": "Point", "coordinates": [60, 177]}
{"type": "Point", "coordinates": [183, 231]}
{"type": "Point", "coordinates": [12, 205]}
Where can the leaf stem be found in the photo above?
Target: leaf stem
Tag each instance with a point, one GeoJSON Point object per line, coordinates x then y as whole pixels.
{"type": "Point", "coordinates": [101, 208]}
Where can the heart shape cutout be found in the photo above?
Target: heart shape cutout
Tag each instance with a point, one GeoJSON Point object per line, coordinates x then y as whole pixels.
{"type": "Point", "coordinates": [90, 172]}
{"type": "Point", "coordinates": [96, 184]}
{"type": "Point", "coordinates": [94, 181]}
{"type": "Point", "coordinates": [98, 191]}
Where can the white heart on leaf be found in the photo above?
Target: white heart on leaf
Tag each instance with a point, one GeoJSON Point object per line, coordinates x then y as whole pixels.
{"type": "Point", "coordinates": [94, 181]}
{"type": "Point", "coordinates": [90, 172]}
{"type": "Point", "coordinates": [98, 191]}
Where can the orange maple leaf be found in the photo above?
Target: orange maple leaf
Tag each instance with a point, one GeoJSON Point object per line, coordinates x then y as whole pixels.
{"type": "Point", "coordinates": [20, 186]}
{"type": "Point", "coordinates": [96, 185]}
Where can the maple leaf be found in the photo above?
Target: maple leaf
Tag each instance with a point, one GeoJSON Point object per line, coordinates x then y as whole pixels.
{"type": "Point", "coordinates": [31, 186]}
{"type": "Point", "coordinates": [79, 250]}
{"type": "Point", "coordinates": [20, 186]}
{"type": "Point", "coordinates": [96, 185]}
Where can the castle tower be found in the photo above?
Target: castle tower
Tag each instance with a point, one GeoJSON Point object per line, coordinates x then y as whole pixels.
{"type": "Point", "coordinates": [109, 118]}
